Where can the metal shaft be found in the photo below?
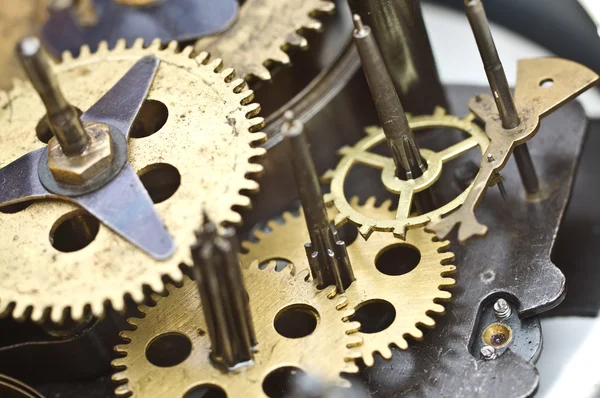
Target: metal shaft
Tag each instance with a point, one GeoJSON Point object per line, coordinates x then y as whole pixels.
{"type": "Point", "coordinates": [327, 256]}
{"type": "Point", "coordinates": [500, 88]}
{"type": "Point", "coordinates": [223, 295]}
{"type": "Point", "coordinates": [400, 138]}
{"type": "Point", "coordinates": [399, 29]}
{"type": "Point", "coordinates": [63, 117]}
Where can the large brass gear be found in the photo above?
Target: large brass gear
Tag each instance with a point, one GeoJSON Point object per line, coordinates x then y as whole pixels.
{"type": "Point", "coordinates": [208, 137]}
{"type": "Point", "coordinates": [262, 33]}
{"type": "Point", "coordinates": [414, 295]}
{"type": "Point", "coordinates": [403, 220]}
{"type": "Point", "coordinates": [324, 351]}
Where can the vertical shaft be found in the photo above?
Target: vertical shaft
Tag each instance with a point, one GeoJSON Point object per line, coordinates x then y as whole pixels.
{"type": "Point", "coordinates": [327, 255]}
{"type": "Point", "coordinates": [63, 117]}
{"type": "Point", "coordinates": [399, 29]}
{"type": "Point", "coordinates": [400, 138]}
{"type": "Point", "coordinates": [224, 300]}
{"type": "Point", "coordinates": [500, 88]}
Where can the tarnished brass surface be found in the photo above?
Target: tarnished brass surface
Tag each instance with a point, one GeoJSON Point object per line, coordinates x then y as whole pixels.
{"type": "Point", "coordinates": [17, 19]}
{"type": "Point", "coordinates": [359, 154]}
{"type": "Point", "coordinates": [325, 351]}
{"type": "Point", "coordinates": [78, 169]}
{"type": "Point", "coordinates": [262, 33]}
{"type": "Point", "coordinates": [543, 84]}
{"type": "Point", "coordinates": [414, 295]}
{"type": "Point", "coordinates": [207, 136]}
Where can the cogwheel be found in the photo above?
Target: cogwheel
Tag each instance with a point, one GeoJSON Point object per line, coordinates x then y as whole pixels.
{"type": "Point", "coordinates": [264, 30]}
{"type": "Point", "coordinates": [324, 351]}
{"type": "Point", "coordinates": [412, 295]}
{"type": "Point", "coordinates": [204, 142]}
{"type": "Point", "coordinates": [403, 220]}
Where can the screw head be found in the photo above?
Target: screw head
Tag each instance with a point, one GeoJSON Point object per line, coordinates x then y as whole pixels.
{"type": "Point", "coordinates": [502, 309]}
{"type": "Point", "coordinates": [490, 157]}
{"type": "Point", "coordinates": [488, 352]}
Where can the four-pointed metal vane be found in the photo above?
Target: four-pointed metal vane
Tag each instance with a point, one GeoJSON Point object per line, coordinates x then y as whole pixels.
{"type": "Point", "coordinates": [86, 161]}
{"type": "Point", "coordinates": [327, 255]}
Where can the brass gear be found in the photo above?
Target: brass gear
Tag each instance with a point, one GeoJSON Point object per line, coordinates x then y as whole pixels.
{"type": "Point", "coordinates": [262, 33]}
{"type": "Point", "coordinates": [413, 295]}
{"type": "Point", "coordinates": [207, 136]}
{"type": "Point", "coordinates": [403, 220]}
{"type": "Point", "coordinates": [324, 351]}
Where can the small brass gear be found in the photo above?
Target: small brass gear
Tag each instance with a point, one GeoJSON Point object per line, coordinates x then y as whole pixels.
{"type": "Point", "coordinates": [413, 295]}
{"type": "Point", "coordinates": [403, 220]}
{"type": "Point", "coordinates": [207, 140]}
{"type": "Point", "coordinates": [263, 32]}
{"type": "Point", "coordinates": [325, 351]}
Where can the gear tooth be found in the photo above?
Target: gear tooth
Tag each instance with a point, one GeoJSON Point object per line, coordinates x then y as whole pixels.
{"type": "Point", "coordinates": [368, 359]}
{"type": "Point", "coordinates": [155, 44]}
{"type": "Point", "coordinates": [370, 203]}
{"type": "Point", "coordinates": [328, 198]}
{"type": "Point", "coordinates": [123, 391]}
{"type": "Point", "coordinates": [387, 204]}
{"type": "Point", "coordinates": [138, 44]}
{"type": "Point", "coordinates": [354, 341]}
{"type": "Point", "coordinates": [448, 283]}
{"type": "Point", "coordinates": [385, 352]}
{"type": "Point", "coordinates": [428, 321]}
{"type": "Point", "coordinates": [352, 355]}
{"type": "Point", "coordinates": [439, 111]}
{"type": "Point", "coordinates": [448, 269]}
{"type": "Point", "coordinates": [259, 138]}
{"type": "Point", "coordinates": [156, 284]}
{"type": "Point", "coordinates": [365, 231]}
{"type": "Point", "coordinates": [352, 326]}
{"type": "Point", "coordinates": [102, 47]}
{"type": "Point", "coordinates": [339, 219]}
{"type": "Point", "coordinates": [172, 46]}
{"type": "Point", "coordinates": [262, 73]}
{"type": "Point", "coordinates": [187, 51]}
{"type": "Point", "coordinates": [351, 368]}
{"type": "Point", "coordinates": [19, 311]}
{"type": "Point", "coordinates": [118, 362]}
{"type": "Point", "coordinates": [118, 377]}
{"type": "Point", "coordinates": [444, 295]}
{"type": "Point", "coordinates": [84, 51]}
{"type": "Point", "coordinates": [327, 177]}
{"type": "Point", "coordinates": [243, 201]}
{"type": "Point", "coordinates": [78, 313]}
{"type": "Point", "coordinates": [416, 333]}
{"type": "Point", "coordinates": [252, 109]}
{"type": "Point", "coordinates": [446, 258]}
{"type": "Point", "coordinates": [202, 58]}
{"type": "Point", "coordinates": [216, 65]}
{"type": "Point", "coordinates": [228, 74]}
{"type": "Point", "coordinates": [438, 309]}
{"type": "Point", "coordinates": [469, 117]}
{"type": "Point", "coordinates": [121, 44]}
{"type": "Point", "coordinates": [120, 349]}
{"type": "Point", "coordinates": [239, 86]}
{"type": "Point", "coordinates": [354, 202]}
{"type": "Point", "coordinates": [401, 343]}
{"type": "Point", "coordinates": [66, 56]}
{"type": "Point", "coordinates": [251, 185]}
{"type": "Point", "coordinates": [341, 303]}
{"type": "Point", "coordinates": [56, 316]}
{"type": "Point", "coordinates": [246, 96]}
{"type": "Point", "coordinates": [257, 124]}
{"type": "Point", "coordinates": [38, 314]}
{"type": "Point", "coordinates": [234, 218]}
{"type": "Point", "coordinates": [326, 7]}
{"type": "Point", "coordinates": [137, 296]}
{"type": "Point", "coordinates": [294, 39]}
{"type": "Point", "coordinates": [155, 297]}
{"type": "Point", "coordinates": [314, 24]}
{"type": "Point", "coordinates": [144, 308]}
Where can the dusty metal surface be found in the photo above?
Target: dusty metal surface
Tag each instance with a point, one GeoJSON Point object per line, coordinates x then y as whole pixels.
{"type": "Point", "coordinates": [513, 262]}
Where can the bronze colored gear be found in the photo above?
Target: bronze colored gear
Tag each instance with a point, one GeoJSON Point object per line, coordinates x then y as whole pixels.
{"type": "Point", "coordinates": [17, 19]}
{"type": "Point", "coordinates": [324, 351]}
{"type": "Point", "coordinates": [262, 33]}
{"type": "Point", "coordinates": [403, 220]}
{"type": "Point", "coordinates": [413, 295]}
{"type": "Point", "coordinates": [207, 136]}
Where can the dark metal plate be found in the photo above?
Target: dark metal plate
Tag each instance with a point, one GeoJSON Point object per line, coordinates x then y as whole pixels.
{"type": "Point", "coordinates": [513, 261]}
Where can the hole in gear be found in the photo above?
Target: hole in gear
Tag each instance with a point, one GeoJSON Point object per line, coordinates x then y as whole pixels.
{"type": "Point", "coordinates": [205, 391]}
{"type": "Point", "coordinates": [161, 180]}
{"type": "Point", "coordinates": [397, 260]}
{"type": "Point", "coordinates": [16, 207]}
{"type": "Point", "coordinates": [152, 116]}
{"type": "Point", "coordinates": [74, 232]}
{"type": "Point", "coordinates": [296, 321]}
{"type": "Point", "coordinates": [280, 382]}
{"type": "Point", "coordinates": [168, 349]}
{"type": "Point", "coordinates": [374, 316]}
{"type": "Point", "coordinates": [280, 264]}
